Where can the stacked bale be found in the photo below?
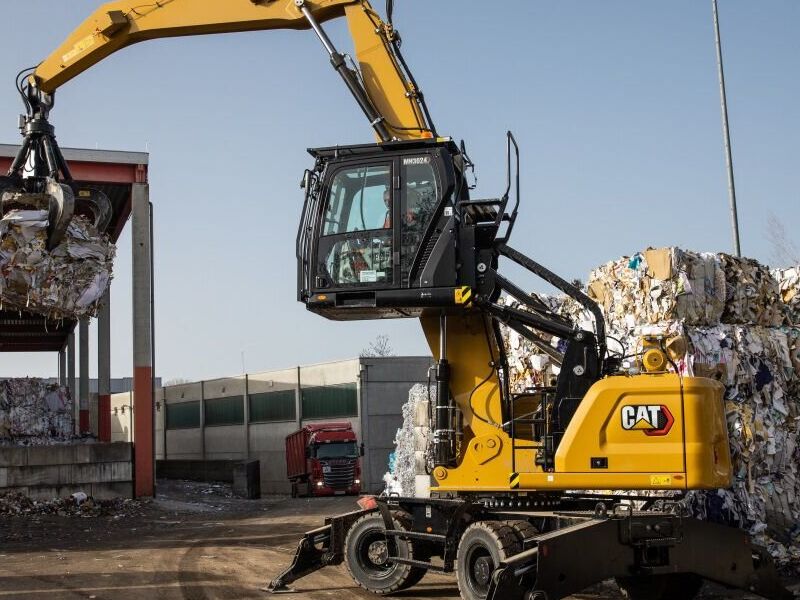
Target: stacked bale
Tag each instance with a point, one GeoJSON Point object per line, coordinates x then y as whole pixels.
{"type": "Point", "coordinates": [34, 412]}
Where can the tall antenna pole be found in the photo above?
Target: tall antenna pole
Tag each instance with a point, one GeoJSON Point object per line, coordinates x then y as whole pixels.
{"type": "Point", "coordinates": [726, 134]}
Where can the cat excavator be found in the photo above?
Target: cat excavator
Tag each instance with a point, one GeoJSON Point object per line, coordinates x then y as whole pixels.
{"type": "Point", "coordinates": [390, 230]}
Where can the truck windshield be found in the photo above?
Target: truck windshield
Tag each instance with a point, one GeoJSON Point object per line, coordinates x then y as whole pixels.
{"type": "Point", "coordinates": [336, 450]}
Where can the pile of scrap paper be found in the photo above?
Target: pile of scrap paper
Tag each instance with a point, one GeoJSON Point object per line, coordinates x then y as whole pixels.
{"type": "Point", "coordinates": [64, 283]}
{"type": "Point", "coordinates": [724, 317]}
{"type": "Point", "coordinates": [34, 412]}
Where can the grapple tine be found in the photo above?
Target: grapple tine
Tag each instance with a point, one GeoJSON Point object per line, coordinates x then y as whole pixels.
{"type": "Point", "coordinates": [62, 207]}
{"type": "Point", "coordinates": [97, 203]}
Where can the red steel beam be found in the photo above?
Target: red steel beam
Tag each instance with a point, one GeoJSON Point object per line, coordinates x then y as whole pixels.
{"type": "Point", "coordinates": [98, 172]}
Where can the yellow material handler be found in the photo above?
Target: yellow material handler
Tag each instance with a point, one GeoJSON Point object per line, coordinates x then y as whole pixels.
{"type": "Point", "coordinates": [390, 230]}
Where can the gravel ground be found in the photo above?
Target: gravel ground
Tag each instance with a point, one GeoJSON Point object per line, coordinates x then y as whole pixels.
{"type": "Point", "coordinates": [194, 542]}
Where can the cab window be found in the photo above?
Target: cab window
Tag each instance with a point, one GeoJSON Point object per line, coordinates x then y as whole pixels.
{"type": "Point", "coordinates": [356, 244]}
{"type": "Point", "coordinates": [359, 200]}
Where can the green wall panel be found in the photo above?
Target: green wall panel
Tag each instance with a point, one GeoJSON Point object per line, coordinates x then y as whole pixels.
{"type": "Point", "coordinates": [183, 415]}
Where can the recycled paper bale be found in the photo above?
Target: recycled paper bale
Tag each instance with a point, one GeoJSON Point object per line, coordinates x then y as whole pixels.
{"type": "Point", "coordinates": [789, 285]}
{"type": "Point", "coordinates": [408, 468]}
{"type": "Point", "coordinates": [65, 283]}
{"type": "Point", "coordinates": [34, 412]}
{"type": "Point", "coordinates": [752, 295]}
{"type": "Point", "coordinates": [660, 284]}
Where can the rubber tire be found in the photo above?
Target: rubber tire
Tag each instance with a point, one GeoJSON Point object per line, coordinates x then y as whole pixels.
{"type": "Point", "coordinates": [420, 550]}
{"type": "Point", "coordinates": [376, 580]}
{"type": "Point", "coordinates": [524, 530]}
{"type": "Point", "coordinates": [678, 586]}
{"type": "Point", "coordinates": [494, 539]}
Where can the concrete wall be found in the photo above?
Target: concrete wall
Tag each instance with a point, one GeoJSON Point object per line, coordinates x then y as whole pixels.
{"type": "Point", "coordinates": [184, 444]}
{"type": "Point", "coordinates": [225, 442]}
{"type": "Point", "coordinates": [267, 444]}
{"type": "Point", "coordinates": [122, 417]}
{"type": "Point", "coordinates": [47, 472]}
{"type": "Point", "coordinates": [122, 420]}
{"type": "Point", "coordinates": [383, 385]}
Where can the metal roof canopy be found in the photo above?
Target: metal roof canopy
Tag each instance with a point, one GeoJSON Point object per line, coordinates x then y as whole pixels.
{"type": "Point", "coordinates": [111, 171]}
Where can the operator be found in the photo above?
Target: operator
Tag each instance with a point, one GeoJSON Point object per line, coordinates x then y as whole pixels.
{"type": "Point", "coordinates": [387, 200]}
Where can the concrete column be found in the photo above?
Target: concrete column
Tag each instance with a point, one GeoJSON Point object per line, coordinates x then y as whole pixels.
{"type": "Point", "coordinates": [62, 367]}
{"type": "Point", "coordinates": [144, 450]}
{"type": "Point", "coordinates": [202, 420]}
{"type": "Point", "coordinates": [71, 378]}
{"type": "Point", "coordinates": [246, 416]}
{"type": "Point", "coordinates": [83, 379]}
{"type": "Point", "coordinates": [104, 369]}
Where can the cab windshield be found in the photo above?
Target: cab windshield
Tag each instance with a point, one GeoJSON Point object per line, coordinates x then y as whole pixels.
{"type": "Point", "coordinates": [336, 450]}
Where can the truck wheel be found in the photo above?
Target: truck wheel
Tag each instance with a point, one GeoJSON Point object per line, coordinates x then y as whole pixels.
{"type": "Point", "coordinates": [678, 586]}
{"type": "Point", "coordinates": [366, 556]}
{"type": "Point", "coordinates": [523, 529]}
{"type": "Point", "coordinates": [483, 546]}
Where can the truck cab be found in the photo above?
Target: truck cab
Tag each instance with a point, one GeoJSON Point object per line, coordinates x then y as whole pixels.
{"type": "Point", "coordinates": [323, 459]}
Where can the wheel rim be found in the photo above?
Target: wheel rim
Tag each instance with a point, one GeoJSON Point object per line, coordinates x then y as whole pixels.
{"type": "Point", "coordinates": [480, 567]}
{"type": "Point", "coordinates": [373, 554]}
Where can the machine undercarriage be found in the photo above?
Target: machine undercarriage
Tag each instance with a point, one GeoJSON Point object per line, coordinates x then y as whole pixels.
{"type": "Point", "coordinates": [508, 553]}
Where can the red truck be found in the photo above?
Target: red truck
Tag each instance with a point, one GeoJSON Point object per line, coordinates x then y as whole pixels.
{"type": "Point", "coordinates": [323, 460]}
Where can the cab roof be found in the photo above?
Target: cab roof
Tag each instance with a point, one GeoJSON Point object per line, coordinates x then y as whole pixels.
{"type": "Point", "coordinates": [372, 149]}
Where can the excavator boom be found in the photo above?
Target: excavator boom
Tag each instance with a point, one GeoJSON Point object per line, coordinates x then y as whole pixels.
{"type": "Point", "coordinates": [117, 25]}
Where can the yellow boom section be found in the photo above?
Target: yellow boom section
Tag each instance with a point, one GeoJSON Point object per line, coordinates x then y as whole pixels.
{"type": "Point", "coordinates": [116, 25]}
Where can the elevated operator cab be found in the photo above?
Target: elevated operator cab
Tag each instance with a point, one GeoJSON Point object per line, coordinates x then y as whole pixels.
{"type": "Point", "coordinates": [382, 232]}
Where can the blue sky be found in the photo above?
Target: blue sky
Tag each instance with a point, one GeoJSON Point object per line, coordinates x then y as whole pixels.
{"type": "Point", "coordinates": [615, 105]}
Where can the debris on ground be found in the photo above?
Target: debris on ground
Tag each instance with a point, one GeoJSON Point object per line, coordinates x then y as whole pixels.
{"type": "Point", "coordinates": [35, 412]}
{"type": "Point", "coordinates": [66, 282]}
{"type": "Point", "coordinates": [15, 504]}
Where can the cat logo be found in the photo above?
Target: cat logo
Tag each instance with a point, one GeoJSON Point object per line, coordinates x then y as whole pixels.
{"type": "Point", "coordinates": [653, 419]}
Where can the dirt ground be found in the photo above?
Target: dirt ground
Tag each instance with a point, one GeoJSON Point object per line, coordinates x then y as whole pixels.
{"type": "Point", "coordinates": [194, 542]}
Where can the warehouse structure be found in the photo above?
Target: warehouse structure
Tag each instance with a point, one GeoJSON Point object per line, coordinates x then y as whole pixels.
{"type": "Point", "coordinates": [249, 416]}
{"type": "Point", "coordinates": [122, 177]}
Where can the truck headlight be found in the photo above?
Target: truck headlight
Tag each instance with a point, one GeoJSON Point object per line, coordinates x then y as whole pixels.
{"type": "Point", "coordinates": [320, 484]}
{"type": "Point", "coordinates": [357, 482]}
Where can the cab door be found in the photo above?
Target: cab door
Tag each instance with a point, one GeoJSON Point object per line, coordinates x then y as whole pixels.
{"type": "Point", "coordinates": [356, 239]}
{"type": "Point", "coordinates": [419, 197]}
